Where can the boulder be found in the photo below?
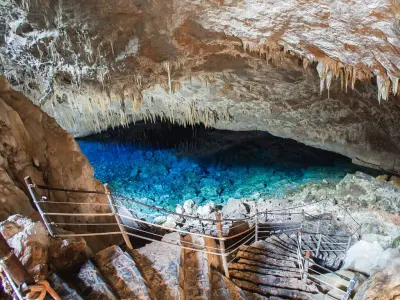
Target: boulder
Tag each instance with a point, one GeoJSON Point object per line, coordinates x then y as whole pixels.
{"type": "Point", "coordinates": [64, 254]}
{"type": "Point", "coordinates": [160, 220]}
{"type": "Point", "coordinates": [384, 285]}
{"type": "Point", "coordinates": [369, 258]}
{"type": "Point", "coordinates": [206, 211]}
{"type": "Point", "coordinates": [37, 251]}
{"type": "Point", "coordinates": [189, 207]}
{"type": "Point", "coordinates": [235, 208]}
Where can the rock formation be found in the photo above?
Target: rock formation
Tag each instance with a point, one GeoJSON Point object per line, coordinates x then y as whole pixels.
{"type": "Point", "coordinates": [323, 73]}
{"type": "Point", "coordinates": [33, 144]}
{"type": "Point", "coordinates": [39, 253]}
{"type": "Point", "coordinates": [384, 285]}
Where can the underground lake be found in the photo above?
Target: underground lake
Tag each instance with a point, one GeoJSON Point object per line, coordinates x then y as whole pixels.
{"type": "Point", "coordinates": [164, 164]}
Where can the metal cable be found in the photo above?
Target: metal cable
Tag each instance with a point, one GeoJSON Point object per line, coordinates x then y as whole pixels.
{"type": "Point", "coordinates": [78, 203]}
{"type": "Point", "coordinates": [246, 236]}
{"type": "Point", "coordinates": [168, 228]}
{"type": "Point", "coordinates": [84, 224]}
{"type": "Point", "coordinates": [163, 236]}
{"type": "Point", "coordinates": [167, 211]}
{"type": "Point", "coordinates": [183, 247]}
{"type": "Point", "coordinates": [326, 269]}
{"type": "Point", "coordinates": [43, 187]}
{"type": "Point", "coordinates": [229, 253]}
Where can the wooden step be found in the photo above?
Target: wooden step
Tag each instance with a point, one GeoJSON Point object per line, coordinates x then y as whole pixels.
{"type": "Point", "coordinates": [267, 253]}
{"type": "Point", "coordinates": [265, 266]}
{"type": "Point", "coordinates": [264, 271]}
{"type": "Point", "coordinates": [194, 279]}
{"type": "Point", "coordinates": [274, 281]}
{"type": "Point", "coordinates": [255, 296]}
{"type": "Point", "coordinates": [282, 242]}
{"type": "Point", "coordinates": [272, 291]}
{"type": "Point", "coordinates": [265, 259]}
{"type": "Point", "coordinates": [121, 272]}
{"type": "Point", "coordinates": [269, 247]}
{"type": "Point", "coordinates": [223, 288]}
{"type": "Point", "coordinates": [159, 265]}
{"type": "Point", "coordinates": [65, 291]}
{"type": "Point", "coordinates": [91, 285]}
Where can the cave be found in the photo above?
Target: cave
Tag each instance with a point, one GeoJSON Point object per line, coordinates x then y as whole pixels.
{"type": "Point", "coordinates": [214, 149]}
{"type": "Point", "coordinates": [165, 164]}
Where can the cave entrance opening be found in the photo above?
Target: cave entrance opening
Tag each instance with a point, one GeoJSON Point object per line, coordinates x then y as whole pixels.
{"type": "Point", "coordinates": [165, 164]}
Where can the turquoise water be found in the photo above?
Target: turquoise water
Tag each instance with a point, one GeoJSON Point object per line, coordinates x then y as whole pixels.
{"type": "Point", "coordinates": [206, 165]}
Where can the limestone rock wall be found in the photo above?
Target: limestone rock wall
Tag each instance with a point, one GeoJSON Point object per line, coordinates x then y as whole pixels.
{"type": "Point", "coordinates": [33, 144]}
{"type": "Point", "coordinates": [314, 71]}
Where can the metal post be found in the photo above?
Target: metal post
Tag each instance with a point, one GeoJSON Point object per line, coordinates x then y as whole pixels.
{"type": "Point", "coordinates": [256, 227]}
{"type": "Point", "coordinates": [318, 225]}
{"type": "Point", "coordinates": [117, 217]}
{"type": "Point", "coordinates": [222, 244]}
{"type": "Point", "coordinates": [318, 245]}
{"type": "Point", "coordinates": [347, 247]}
{"type": "Point", "coordinates": [306, 262]}
{"type": "Point", "coordinates": [299, 239]}
{"type": "Point", "coordinates": [13, 268]}
{"type": "Point", "coordinates": [351, 286]}
{"type": "Point", "coordinates": [11, 282]}
{"type": "Point", "coordinates": [30, 185]}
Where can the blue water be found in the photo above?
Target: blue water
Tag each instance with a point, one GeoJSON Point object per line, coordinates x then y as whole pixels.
{"type": "Point", "coordinates": [165, 175]}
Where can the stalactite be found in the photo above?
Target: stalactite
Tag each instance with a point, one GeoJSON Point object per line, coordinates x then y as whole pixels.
{"type": "Point", "coordinates": [383, 84]}
{"type": "Point", "coordinates": [348, 74]}
{"type": "Point", "coordinates": [167, 68]}
{"type": "Point", "coordinates": [395, 84]}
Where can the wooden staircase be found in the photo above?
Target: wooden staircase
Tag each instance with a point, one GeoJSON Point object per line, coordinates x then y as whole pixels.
{"type": "Point", "coordinates": [266, 269]}
{"type": "Point", "coordinates": [270, 268]}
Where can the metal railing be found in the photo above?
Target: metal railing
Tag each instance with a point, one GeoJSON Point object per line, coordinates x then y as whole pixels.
{"type": "Point", "coordinates": [323, 280]}
{"type": "Point", "coordinates": [118, 208]}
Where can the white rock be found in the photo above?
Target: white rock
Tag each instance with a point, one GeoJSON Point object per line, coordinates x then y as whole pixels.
{"type": "Point", "coordinates": [369, 258]}
{"type": "Point", "coordinates": [234, 209]}
{"type": "Point", "coordinates": [206, 210]}
{"type": "Point", "coordinates": [170, 221]}
{"type": "Point", "coordinates": [179, 209]}
{"type": "Point", "coordinates": [160, 220]}
{"type": "Point", "coordinates": [383, 240]}
{"type": "Point", "coordinates": [189, 206]}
